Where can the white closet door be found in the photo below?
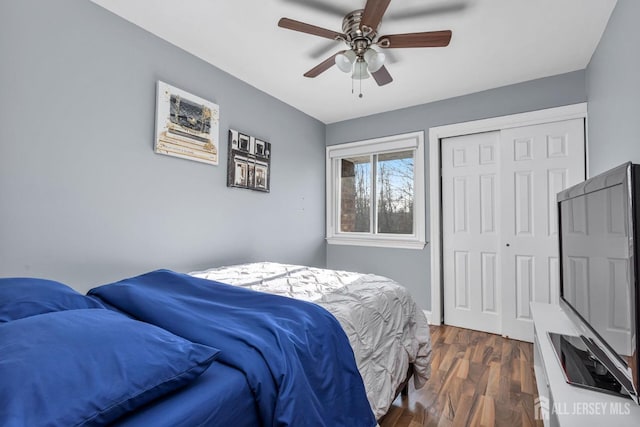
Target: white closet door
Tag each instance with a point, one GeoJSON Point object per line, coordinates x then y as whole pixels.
{"type": "Point", "coordinates": [499, 222]}
{"type": "Point", "coordinates": [537, 162]}
{"type": "Point", "coordinates": [470, 224]}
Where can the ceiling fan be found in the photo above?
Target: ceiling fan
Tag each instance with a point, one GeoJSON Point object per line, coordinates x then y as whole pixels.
{"type": "Point", "coordinates": [360, 33]}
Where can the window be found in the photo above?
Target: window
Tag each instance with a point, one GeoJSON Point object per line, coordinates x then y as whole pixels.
{"type": "Point", "coordinates": [375, 192]}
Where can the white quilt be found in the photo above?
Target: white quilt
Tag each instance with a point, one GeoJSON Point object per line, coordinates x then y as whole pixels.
{"type": "Point", "coordinates": [386, 328]}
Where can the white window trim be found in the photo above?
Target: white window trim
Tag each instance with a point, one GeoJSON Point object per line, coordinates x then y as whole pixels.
{"type": "Point", "coordinates": [407, 141]}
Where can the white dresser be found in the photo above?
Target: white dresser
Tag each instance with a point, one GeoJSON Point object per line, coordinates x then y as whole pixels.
{"type": "Point", "coordinates": [562, 404]}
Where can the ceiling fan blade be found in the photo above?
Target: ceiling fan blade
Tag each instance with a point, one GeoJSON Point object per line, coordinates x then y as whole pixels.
{"type": "Point", "coordinates": [382, 76]}
{"type": "Point", "coordinates": [372, 15]}
{"type": "Point", "coordinates": [323, 66]}
{"type": "Point", "coordinates": [428, 39]}
{"type": "Point", "coordinates": [294, 25]}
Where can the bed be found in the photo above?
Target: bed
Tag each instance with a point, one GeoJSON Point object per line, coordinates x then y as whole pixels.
{"type": "Point", "coordinates": [388, 332]}
{"type": "Point", "coordinates": [170, 349]}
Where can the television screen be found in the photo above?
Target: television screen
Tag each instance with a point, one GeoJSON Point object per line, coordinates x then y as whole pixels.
{"type": "Point", "coordinates": [599, 228]}
{"type": "Point", "coordinates": [596, 263]}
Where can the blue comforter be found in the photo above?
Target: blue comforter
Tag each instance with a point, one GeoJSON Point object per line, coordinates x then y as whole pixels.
{"type": "Point", "coordinates": [296, 357]}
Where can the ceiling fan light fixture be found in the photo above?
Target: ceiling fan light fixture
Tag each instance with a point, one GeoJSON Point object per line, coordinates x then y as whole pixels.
{"type": "Point", "coordinates": [345, 60]}
{"type": "Point", "coordinates": [374, 59]}
{"type": "Point", "coordinates": [360, 70]}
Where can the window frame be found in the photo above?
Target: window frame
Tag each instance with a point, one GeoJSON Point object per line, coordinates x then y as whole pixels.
{"type": "Point", "coordinates": [413, 141]}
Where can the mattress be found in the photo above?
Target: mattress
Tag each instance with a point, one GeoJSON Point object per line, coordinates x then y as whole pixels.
{"type": "Point", "coordinates": [385, 327]}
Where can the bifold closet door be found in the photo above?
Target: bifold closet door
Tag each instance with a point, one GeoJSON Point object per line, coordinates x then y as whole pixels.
{"type": "Point", "coordinates": [470, 229]}
{"type": "Point", "coordinates": [499, 222]}
{"type": "Point", "coordinates": [538, 162]}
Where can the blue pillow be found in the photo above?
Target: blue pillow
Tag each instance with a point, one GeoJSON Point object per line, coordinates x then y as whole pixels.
{"type": "Point", "coordinates": [22, 297]}
{"type": "Point", "coordinates": [89, 367]}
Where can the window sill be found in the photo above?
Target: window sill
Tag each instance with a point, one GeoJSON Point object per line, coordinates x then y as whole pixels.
{"type": "Point", "coordinates": [377, 242]}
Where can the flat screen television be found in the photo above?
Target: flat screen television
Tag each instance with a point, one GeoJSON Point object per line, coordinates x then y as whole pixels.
{"type": "Point", "coordinates": [599, 223]}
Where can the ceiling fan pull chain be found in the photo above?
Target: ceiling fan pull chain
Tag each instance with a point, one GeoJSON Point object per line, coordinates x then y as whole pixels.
{"type": "Point", "coordinates": [360, 96]}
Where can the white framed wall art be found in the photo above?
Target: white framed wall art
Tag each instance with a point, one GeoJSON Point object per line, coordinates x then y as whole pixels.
{"type": "Point", "coordinates": [187, 126]}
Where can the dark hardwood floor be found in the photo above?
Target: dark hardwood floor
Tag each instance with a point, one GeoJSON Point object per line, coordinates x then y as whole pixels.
{"type": "Point", "coordinates": [477, 379]}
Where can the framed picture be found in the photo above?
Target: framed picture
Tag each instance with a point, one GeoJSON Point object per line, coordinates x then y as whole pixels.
{"type": "Point", "coordinates": [251, 174]}
{"type": "Point", "coordinates": [262, 172]}
{"type": "Point", "coordinates": [243, 142]}
{"type": "Point", "coordinates": [260, 148]}
{"type": "Point", "coordinates": [186, 126]}
{"type": "Point", "coordinates": [249, 162]}
{"type": "Point", "coordinates": [240, 173]}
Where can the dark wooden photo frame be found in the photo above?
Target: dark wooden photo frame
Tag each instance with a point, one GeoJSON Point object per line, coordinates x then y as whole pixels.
{"type": "Point", "coordinates": [249, 162]}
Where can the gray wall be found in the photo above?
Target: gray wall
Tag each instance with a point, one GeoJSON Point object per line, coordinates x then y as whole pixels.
{"type": "Point", "coordinates": [613, 91]}
{"type": "Point", "coordinates": [412, 267]}
{"type": "Point", "coordinates": [83, 198]}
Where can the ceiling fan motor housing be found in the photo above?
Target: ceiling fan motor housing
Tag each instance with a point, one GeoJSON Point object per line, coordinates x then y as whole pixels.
{"type": "Point", "coordinates": [358, 39]}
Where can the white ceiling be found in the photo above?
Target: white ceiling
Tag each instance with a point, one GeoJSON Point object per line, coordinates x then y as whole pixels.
{"type": "Point", "coordinates": [494, 43]}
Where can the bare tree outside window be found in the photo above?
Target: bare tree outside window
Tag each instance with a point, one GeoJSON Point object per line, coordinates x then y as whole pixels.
{"type": "Point", "coordinates": [392, 188]}
{"type": "Point", "coordinates": [395, 192]}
